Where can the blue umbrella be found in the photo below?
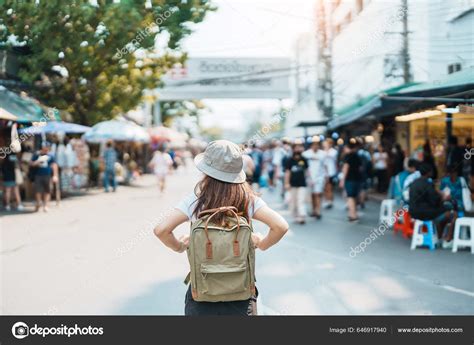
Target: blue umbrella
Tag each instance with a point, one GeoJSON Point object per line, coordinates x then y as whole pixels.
{"type": "Point", "coordinates": [119, 130]}
{"type": "Point", "coordinates": [55, 127]}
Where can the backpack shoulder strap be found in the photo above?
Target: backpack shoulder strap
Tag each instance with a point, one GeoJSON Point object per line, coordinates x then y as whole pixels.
{"type": "Point", "coordinates": [212, 213]}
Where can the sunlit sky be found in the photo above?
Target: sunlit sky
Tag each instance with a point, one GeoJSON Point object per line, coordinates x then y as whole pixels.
{"type": "Point", "coordinates": [248, 28]}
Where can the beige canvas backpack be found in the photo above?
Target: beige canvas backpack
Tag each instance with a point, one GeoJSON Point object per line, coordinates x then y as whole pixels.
{"type": "Point", "coordinates": [221, 257]}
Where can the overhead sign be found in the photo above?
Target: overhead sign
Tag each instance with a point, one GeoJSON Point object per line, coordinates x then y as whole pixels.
{"type": "Point", "coordinates": [227, 78]}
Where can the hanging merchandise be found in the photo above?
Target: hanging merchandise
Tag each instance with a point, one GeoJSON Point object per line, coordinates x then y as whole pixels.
{"type": "Point", "coordinates": [15, 140]}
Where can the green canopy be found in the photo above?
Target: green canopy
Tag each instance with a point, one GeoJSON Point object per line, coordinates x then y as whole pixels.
{"type": "Point", "coordinates": [410, 97]}
{"type": "Point", "coordinates": [362, 107]}
{"type": "Point", "coordinates": [24, 108]}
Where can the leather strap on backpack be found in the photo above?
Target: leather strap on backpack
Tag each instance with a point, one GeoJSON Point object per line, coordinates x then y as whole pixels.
{"type": "Point", "coordinates": [213, 212]}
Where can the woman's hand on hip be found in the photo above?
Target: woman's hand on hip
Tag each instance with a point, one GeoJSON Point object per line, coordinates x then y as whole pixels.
{"type": "Point", "coordinates": [184, 243]}
{"type": "Point", "coordinates": [257, 239]}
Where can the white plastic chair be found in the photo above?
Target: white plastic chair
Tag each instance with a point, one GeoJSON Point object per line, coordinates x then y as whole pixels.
{"type": "Point", "coordinates": [387, 210]}
{"type": "Point", "coordinates": [461, 239]}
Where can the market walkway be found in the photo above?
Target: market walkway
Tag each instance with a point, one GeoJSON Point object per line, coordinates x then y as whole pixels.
{"type": "Point", "coordinates": [96, 255]}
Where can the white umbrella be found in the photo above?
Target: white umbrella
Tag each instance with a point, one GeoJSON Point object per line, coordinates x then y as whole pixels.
{"type": "Point", "coordinates": [117, 130]}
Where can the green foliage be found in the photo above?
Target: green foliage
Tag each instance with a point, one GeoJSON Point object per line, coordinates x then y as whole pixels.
{"type": "Point", "coordinates": [170, 109]}
{"type": "Point", "coordinates": [212, 133]}
{"type": "Point", "coordinates": [104, 56]}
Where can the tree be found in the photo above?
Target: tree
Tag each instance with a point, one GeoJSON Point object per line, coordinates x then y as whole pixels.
{"type": "Point", "coordinates": [94, 61]}
{"type": "Point", "coordinates": [212, 133]}
{"type": "Point", "coordinates": [171, 109]}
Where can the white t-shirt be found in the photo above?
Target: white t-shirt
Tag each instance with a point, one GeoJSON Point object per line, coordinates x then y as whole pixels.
{"type": "Point", "coordinates": [161, 162]}
{"type": "Point", "coordinates": [316, 160]}
{"type": "Point", "coordinates": [188, 204]}
{"type": "Point", "coordinates": [380, 159]}
{"type": "Point", "coordinates": [331, 161]}
{"type": "Point", "coordinates": [278, 154]}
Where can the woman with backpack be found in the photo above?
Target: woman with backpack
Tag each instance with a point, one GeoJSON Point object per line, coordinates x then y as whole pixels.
{"type": "Point", "coordinates": [221, 245]}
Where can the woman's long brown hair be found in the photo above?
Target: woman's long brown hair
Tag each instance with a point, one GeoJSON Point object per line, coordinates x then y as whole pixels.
{"type": "Point", "coordinates": [212, 193]}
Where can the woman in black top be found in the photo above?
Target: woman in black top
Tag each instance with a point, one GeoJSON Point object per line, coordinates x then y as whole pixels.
{"type": "Point", "coordinates": [351, 179]}
{"type": "Point", "coordinates": [296, 171]}
{"type": "Point", "coordinates": [428, 159]}
{"type": "Point", "coordinates": [9, 164]}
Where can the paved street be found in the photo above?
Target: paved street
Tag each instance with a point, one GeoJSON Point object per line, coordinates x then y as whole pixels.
{"type": "Point", "coordinates": [96, 254]}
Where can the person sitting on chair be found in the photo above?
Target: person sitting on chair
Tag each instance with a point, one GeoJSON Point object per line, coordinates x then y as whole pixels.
{"type": "Point", "coordinates": [426, 203]}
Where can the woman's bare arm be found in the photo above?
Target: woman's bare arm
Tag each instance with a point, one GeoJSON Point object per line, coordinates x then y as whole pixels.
{"type": "Point", "coordinates": [164, 231]}
{"type": "Point", "coordinates": [277, 224]}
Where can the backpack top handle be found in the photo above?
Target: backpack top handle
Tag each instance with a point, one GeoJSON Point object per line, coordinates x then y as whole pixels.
{"type": "Point", "coordinates": [213, 212]}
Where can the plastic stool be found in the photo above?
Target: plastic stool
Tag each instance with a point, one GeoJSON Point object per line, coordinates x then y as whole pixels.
{"type": "Point", "coordinates": [420, 238]}
{"type": "Point", "coordinates": [460, 239]}
{"type": "Point", "coordinates": [406, 226]}
{"type": "Point", "coordinates": [387, 209]}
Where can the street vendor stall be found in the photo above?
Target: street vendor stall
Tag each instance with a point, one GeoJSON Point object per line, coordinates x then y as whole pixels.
{"type": "Point", "coordinates": [72, 154]}
{"type": "Point", "coordinates": [131, 143]}
{"type": "Point", "coordinates": [163, 135]}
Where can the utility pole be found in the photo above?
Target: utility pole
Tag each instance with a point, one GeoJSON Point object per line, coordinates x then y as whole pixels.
{"type": "Point", "coordinates": [405, 54]}
{"type": "Point", "coordinates": [325, 97]}
{"type": "Point", "coordinates": [400, 62]}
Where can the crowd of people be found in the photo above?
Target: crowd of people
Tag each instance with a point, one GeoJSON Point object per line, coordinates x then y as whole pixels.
{"type": "Point", "coordinates": [306, 174]}
{"type": "Point", "coordinates": [52, 169]}
{"type": "Point", "coordinates": [430, 198]}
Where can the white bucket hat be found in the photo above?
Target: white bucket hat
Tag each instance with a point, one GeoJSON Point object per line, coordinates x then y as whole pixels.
{"type": "Point", "coordinates": [222, 160]}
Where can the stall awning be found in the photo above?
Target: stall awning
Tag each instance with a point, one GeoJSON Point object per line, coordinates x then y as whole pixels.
{"type": "Point", "coordinates": [55, 127]}
{"type": "Point", "coordinates": [312, 123]}
{"type": "Point", "coordinates": [451, 85]}
{"type": "Point", "coordinates": [453, 89]}
{"type": "Point", "coordinates": [24, 108]}
{"type": "Point", "coordinates": [362, 107]}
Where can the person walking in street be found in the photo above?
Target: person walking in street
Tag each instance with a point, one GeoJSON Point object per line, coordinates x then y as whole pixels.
{"type": "Point", "coordinates": [366, 172]}
{"type": "Point", "coordinates": [455, 155]}
{"type": "Point", "coordinates": [331, 169]}
{"type": "Point", "coordinates": [429, 159]}
{"type": "Point", "coordinates": [281, 154]}
{"type": "Point", "coordinates": [10, 171]}
{"type": "Point", "coordinates": [317, 171]}
{"type": "Point", "coordinates": [161, 164]}
{"type": "Point", "coordinates": [380, 161]}
{"type": "Point", "coordinates": [109, 158]}
{"type": "Point", "coordinates": [351, 179]}
{"type": "Point", "coordinates": [222, 187]}
{"type": "Point", "coordinates": [248, 165]}
{"type": "Point", "coordinates": [268, 171]}
{"type": "Point", "coordinates": [45, 172]}
{"type": "Point", "coordinates": [296, 174]}
{"type": "Point", "coordinates": [398, 159]}
{"type": "Point", "coordinates": [257, 157]}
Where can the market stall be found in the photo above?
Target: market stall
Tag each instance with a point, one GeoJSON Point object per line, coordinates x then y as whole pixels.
{"type": "Point", "coordinates": [131, 142]}
{"type": "Point", "coordinates": [163, 135]}
{"type": "Point", "coordinates": [71, 154]}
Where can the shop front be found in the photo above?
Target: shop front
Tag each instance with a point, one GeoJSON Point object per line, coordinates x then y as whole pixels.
{"type": "Point", "coordinates": [415, 129]}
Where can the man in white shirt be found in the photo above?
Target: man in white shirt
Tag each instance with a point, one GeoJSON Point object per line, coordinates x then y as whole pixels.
{"type": "Point", "coordinates": [331, 169]}
{"type": "Point", "coordinates": [317, 171]}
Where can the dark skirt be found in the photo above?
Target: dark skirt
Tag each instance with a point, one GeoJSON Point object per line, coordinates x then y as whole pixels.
{"type": "Point", "coordinates": [244, 308]}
